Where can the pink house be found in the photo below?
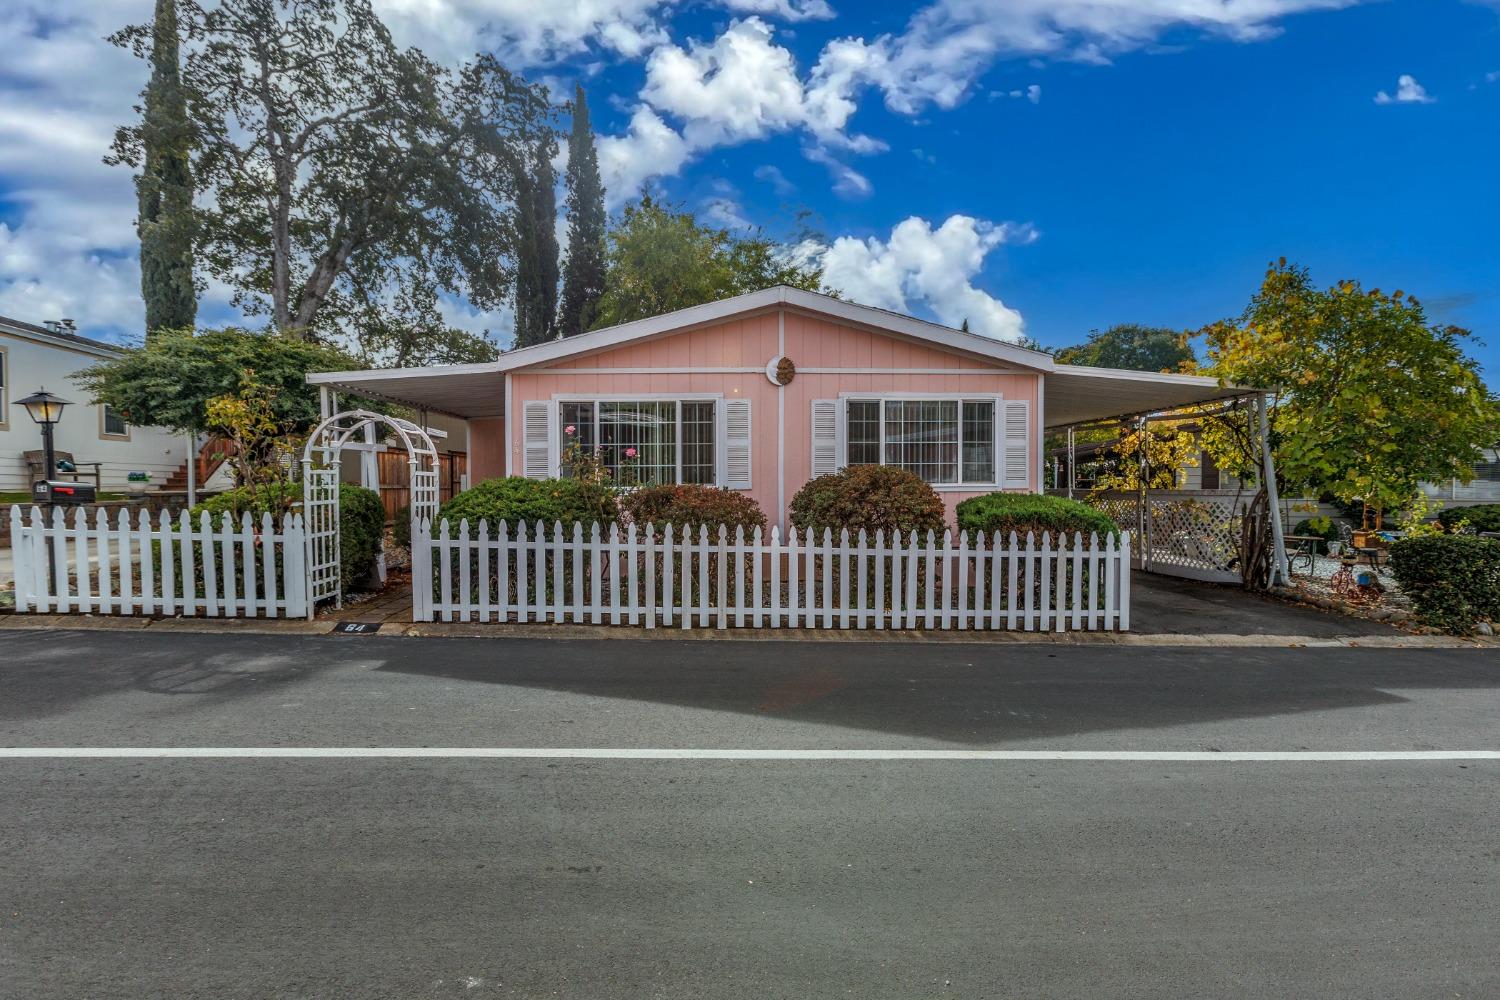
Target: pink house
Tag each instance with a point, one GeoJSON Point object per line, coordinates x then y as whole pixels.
{"type": "Point", "coordinates": [763, 391]}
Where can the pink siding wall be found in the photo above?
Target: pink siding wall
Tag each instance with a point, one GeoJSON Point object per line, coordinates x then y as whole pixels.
{"type": "Point", "coordinates": [749, 343]}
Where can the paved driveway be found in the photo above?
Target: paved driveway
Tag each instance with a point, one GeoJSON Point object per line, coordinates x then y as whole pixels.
{"type": "Point", "coordinates": [1162, 605]}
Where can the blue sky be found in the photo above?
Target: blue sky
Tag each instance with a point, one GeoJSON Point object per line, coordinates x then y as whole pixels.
{"type": "Point", "coordinates": [1040, 166]}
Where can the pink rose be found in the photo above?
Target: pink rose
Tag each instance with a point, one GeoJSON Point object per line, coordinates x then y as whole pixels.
{"type": "Point", "coordinates": [630, 453]}
{"type": "Point", "coordinates": [569, 429]}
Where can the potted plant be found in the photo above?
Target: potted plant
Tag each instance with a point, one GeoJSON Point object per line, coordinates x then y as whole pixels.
{"type": "Point", "coordinates": [137, 483]}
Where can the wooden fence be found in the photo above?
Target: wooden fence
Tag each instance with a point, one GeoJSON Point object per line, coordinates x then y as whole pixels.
{"type": "Point", "coordinates": [664, 577]}
{"type": "Point", "coordinates": [134, 567]}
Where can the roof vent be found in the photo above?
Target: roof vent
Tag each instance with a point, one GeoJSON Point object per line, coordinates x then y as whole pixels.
{"type": "Point", "coordinates": [68, 326]}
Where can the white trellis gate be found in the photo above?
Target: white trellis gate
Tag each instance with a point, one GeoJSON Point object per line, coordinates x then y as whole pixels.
{"type": "Point", "coordinates": [321, 472]}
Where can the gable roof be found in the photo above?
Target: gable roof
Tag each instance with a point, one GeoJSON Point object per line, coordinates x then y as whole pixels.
{"type": "Point", "coordinates": [777, 297]}
{"type": "Point", "coordinates": [58, 338]}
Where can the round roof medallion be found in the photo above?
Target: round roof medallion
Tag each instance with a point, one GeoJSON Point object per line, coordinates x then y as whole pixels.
{"type": "Point", "coordinates": [780, 370]}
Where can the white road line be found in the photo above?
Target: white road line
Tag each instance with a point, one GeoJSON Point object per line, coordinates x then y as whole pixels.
{"type": "Point", "coordinates": [631, 753]}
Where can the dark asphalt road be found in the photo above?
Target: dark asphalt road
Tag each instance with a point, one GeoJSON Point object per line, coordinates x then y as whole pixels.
{"type": "Point", "coordinates": [746, 879]}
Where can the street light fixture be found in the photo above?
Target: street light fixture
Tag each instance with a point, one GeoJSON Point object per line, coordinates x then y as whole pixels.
{"type": "Point", "coordinates": [46, 409]}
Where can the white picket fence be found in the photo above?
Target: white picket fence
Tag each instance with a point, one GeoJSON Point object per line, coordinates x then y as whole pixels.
{"type": "Point", "coordinates": [666, 577]}
{"type": "Point", "coordinates": [173, 568]}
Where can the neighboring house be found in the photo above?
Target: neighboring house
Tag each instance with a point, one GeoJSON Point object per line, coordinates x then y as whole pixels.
{"type": "Point", "coordinates": [763, 391]}
{"type": "Point", "coordinates": [35, 357]}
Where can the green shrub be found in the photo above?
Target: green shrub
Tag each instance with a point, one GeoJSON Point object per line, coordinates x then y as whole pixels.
{"type": "Point", "coordinates": [1452, 580]}
{"type": "Point", "coordinates": [513, 500]}
{"type": "Point", "coordinates": [1323, 527]}
{"type": "Point", "coordinates": [401, 527]}
{"type": "Point", "coordinates": [1040, 515]}
{"type": "Point", "coordinates": [1482, 517]}
{"type": "Point", "coordinates": [690, 506]}
{"type": "Point", "coordinates": [361, 519]}
{"type": "Point", "coordinates": [872, 497]}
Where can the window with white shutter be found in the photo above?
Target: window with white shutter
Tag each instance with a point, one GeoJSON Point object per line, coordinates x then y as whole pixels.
{"type": "Point", "coordinates": [537, 439]}
{"type": "Point", "coordinates": [735, 474]}
{"type": "Point", "coordinates": [1015, 432]}
{"type": "Point", "coordinates": [825, 437]}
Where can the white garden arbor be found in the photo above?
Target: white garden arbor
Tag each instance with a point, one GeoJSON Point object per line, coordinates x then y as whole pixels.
{"type": "Point", "coordinates": [322, 460]}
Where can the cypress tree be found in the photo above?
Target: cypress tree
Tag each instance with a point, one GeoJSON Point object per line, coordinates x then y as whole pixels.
{"type": "Point", "coordinates": [536, 252]}
{"type": "Point", "coordinates": [583, 279]}
{"type": "Point", "coordinates": [164, 187]}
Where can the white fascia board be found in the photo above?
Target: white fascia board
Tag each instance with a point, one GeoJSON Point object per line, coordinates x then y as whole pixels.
{"type": "Point", "coordinates": [384, 374]}
{"type": "Point", "coordinates": [1160, 378]}
{"type": "Point", "coordinates": [61, 343]}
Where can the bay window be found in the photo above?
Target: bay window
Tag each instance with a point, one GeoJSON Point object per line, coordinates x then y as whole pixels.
{"type": "Point", "coordinates": [948, 442]}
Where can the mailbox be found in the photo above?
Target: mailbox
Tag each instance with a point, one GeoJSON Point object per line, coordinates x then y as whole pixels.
{"type": "Point", "coordinates": [56, 491]}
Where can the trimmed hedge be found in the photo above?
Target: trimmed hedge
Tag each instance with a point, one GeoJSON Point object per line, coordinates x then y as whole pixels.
{"type": "Point", "coordinates": [1481, 517]}
{"type": "Point", "coordinates": [1041, 515]}
{"type": "Point", "coordinates": [872, 497]}
{"type": "Point", "coordinates": [1452, 580]}
{"type": "Point", "coordinates": [361, 520]}
{"type": "Point", "coordinates": [691, 506]}
{"type": "Point", "coordinates": [516, 499]}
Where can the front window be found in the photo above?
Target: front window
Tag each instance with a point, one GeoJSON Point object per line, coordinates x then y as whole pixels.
{"type": "Point", "coordinates": [642, 442]}
{"type": "Point", "coordinates": [114, 424]}
{"type": "Point", "coordinates": [945, 441]}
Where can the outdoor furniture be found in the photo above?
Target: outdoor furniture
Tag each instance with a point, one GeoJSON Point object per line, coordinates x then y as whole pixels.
{"type": "Point", "coordinates": [36, 467]}
{"type": "Point", "coordinates": [1305, 550]}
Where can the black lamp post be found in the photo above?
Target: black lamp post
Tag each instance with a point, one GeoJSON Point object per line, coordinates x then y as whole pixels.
{"type": "Point", "coordinates": [46, 409]}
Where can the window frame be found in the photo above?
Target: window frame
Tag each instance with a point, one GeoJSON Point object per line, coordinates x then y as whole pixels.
{"type": "Point", "coordinates": [104, 433]}
{"type": "Point", "coordinates": [997, 442]}
{"type": "Point", "coordinates": [559, 399]}
{"type": "Point", "coordinates": [4, 388]}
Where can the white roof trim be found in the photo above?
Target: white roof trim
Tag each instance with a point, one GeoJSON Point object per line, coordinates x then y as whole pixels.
{"type": "Point", "coordinates": [712, 312]}
{"type": "Point", "coordinates": [1162, 378]}
{"type": "Point", "coordinates": [61, 343]}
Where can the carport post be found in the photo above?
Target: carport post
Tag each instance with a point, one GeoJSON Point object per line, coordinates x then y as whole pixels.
{"type": "Point", "coordinates": [1279, 571]}
{"type": "Point", "coordinates": [1142, 508]}
{"type": "Point", "coordinates": [1072, 459]}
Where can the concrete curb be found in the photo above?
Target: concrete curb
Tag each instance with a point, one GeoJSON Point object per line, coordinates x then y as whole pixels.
{"type": "Point", "coordinates": [635, 633]}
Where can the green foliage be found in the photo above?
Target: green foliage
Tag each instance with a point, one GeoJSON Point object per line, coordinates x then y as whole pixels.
{"type": "Point", "coordinates": [583, 276]}
{"type": "Point", "coordinates": [346, 180]}
{"type": "Point", "coordinates": [164, 187]}
{"type": "Point", "coordinates": [401, 527]}
{"type": "Point", "coordinates": [1373, 399]}
{"type": "Point", "coordinates": [1452, 580]}
{"type": "Point", "coordinates": [169, 382]}
{"type": "Point", "coordinates": [361, 519]}
{"type": "Point", "coordinates": [873, 497]}
{"type": "Point", "coordinates": [1027, 512]}
{"type": "Point", "coordinates": [536, 244]}
{"type": "Point", "coordinates": [1133, 347]}
{"type": "Point", "coordinates": [689, 506]}
{"type": "Point", "coordinates": [1323, 527]}
{"type": "Point", "coordinates": [1481, 517]}
{"type": "Point", "coordinates": [660, 258]}
{"type": "Point", "coordinates": [516, 499]}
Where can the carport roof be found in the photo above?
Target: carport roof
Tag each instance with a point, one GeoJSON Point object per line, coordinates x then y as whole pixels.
{"type": "Point", "coordinates": [1077, 395]}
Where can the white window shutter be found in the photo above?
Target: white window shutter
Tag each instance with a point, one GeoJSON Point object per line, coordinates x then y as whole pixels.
{"type": "Point", "coordinates": [537, 448]}
{"type": "Point", "coordinates": [826, 457]}
{"type": "Point", "coordinates": [1016, 444]}
{"type": "Point", "coordinates": [735, 427]}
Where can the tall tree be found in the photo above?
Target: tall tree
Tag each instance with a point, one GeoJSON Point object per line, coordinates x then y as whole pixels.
{"type": "Point", "coordinates": [1134, 347]}
{"type": "Point", "coordinates": [536, 245]}
{"type": "Point", "coordinates": [348, 179]}
{"type": "Point", "coordinates": [1372, 399]}
{"type": "Point", "coordinates": [660, 258]}
{"type": "Point", "coordinates": [583, 277]}
{"type": "Point", "coordinates": [162, 147]}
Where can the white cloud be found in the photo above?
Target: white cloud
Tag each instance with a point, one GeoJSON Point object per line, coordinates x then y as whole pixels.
{"type": "Point", "coordinates": [931, 267]}
{"type": "Point", "coordinates": [1408, 91]}
{"type": "Point", "coordinates": [772, 175]}
{"type": "Point", "coordinates": [789, 10]}
{"type": "Point", "coordinates": [847, 182]}
{"type": "Point", "coordinates": [524, 32]}
{"type": "Point", "coordinates": [1032, 93]}
{"type": "Point", "coordinates": [951, 43]}
{"type": "Point", "coordinates": [649, 148]}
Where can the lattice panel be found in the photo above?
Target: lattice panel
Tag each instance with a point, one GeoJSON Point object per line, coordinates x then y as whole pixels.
{"type": "Point", "coordinates": [1193, 534]}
